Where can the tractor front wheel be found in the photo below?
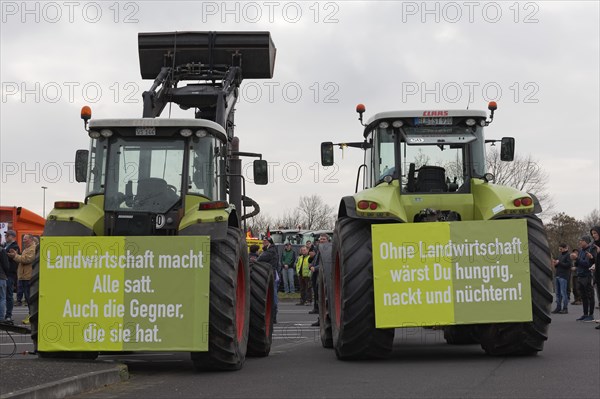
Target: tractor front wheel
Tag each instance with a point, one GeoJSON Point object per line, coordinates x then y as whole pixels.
{"type": "Point", "coordinates": [229, 308]}
{"type": "Point", "coordinates": [352, 309]}
{"type": "Point", "coordinates": [261, 309]}
{"type": "Point", "coordinates": [503, 339]}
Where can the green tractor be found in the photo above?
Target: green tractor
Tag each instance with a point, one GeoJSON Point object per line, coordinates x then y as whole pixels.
{"type": "Point", "coordinates": [171, 190]}
{"type": "Point", "coordinates": [431, 242]}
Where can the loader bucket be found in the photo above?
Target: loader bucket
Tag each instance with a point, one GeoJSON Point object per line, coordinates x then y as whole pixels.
{"type": "Point", "coordinates": [256, 48]}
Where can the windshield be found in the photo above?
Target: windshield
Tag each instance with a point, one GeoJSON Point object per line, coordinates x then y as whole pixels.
{"type": "Point", "coordinates": [144, 175]}
{"type": "Point", "coordinates": [429, 159]}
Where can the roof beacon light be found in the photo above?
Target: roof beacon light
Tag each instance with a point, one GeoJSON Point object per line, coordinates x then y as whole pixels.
{"type": "Point", "coordinates": [86, 115]}
{"type": "Point", "coordinates": [492, 106]}
{"type": "Point", "coordinates": [360, 108]}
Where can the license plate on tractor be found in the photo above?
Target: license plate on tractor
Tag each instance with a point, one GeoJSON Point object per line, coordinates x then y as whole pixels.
{"type": "Point", "coordinates": [433, 121]}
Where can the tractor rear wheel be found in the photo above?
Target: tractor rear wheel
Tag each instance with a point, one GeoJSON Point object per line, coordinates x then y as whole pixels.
{"type": "Point", "coordinates": [352, 309]}
{"type": "Point", "coordinates": [229, 308]}
{"type": "Point", "coordinates": [325, 251]}
{"type": "Point", "coordinates": [261, 309]}
{"type": "Point", "coordinates": [503, 339]}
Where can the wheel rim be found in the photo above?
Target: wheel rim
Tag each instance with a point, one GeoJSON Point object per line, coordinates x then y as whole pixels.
{"type": "Point", "coordinates": [268, 310]}
{"type": "Point", "coordinates": [337, 290]}
{"type": "Point", "coordinates": [240, 301]}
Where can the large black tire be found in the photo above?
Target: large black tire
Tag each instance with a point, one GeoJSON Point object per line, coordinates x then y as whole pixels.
{"type": "Point", "coordinates": [261, 309]}
{"type": "Point", "coordinates": [326, 251]}
{"type": "Point", "coordinates": [34, 309]}
{"type": "Point", "coordinates": [352, 308]}
{"type": "Point", "coordinates": [229, 312]}
{"type": "Point", "coordinates": [503, 339]}
{"type": "Point", "coordinates": [461, 335]}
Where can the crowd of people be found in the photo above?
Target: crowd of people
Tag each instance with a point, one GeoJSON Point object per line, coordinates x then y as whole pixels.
{"type": "Point", "coordinates": [286, 266]}
{"type": "Point", "coordinates": [578, 271]}
{"type": "Point", "coordinates": [16, 267]}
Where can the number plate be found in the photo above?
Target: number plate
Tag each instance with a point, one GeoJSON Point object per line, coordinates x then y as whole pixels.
{"type": "Point", "coordinates": [433, 121]}
{"type": "Point", "coordinates": [145, 131]}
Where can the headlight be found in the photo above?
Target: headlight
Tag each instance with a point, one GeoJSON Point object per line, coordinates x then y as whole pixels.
{"type": "Point", "coordinates": [186, 132]}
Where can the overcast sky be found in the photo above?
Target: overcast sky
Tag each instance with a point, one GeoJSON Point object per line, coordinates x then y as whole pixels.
{"type": "Point", "coordinates": [538, 60]}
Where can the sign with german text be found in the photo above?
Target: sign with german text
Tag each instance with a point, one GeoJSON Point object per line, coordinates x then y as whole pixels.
{"type": "Point", "coordinates": [447, 273]}
{"type": "Point", "coordinates": [124, 293]}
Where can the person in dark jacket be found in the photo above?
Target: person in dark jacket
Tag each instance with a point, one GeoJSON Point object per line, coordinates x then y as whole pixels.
{"type": "Point", "coordinates": [3, 277]}
{"type": "Point", "coordinates": [584, 260]}
{"type": "Point", "coordinates": [561, 279]}
{"type": "Point", "coordinates": [595, 233]}
{"type": "Point", "coordinates": [11, 283]}
{"type": "Point", "coordinates": [288, 261]}
{"type": "Point", "coordinates": [270, 255]}
{"type": "Point", "coordinates": [253, 254]}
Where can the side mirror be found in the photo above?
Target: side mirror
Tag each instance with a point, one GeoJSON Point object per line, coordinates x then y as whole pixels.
{"type": "Point", "coordinates": [81, 165]}
{"type": "Point", "coordinates": [507, 149]}
{"type": "Point", "coordinates": [327, 153]}
{"type": "Point", "coordinates": [261, 172]}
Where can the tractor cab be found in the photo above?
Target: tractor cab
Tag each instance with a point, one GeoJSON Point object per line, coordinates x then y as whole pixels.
{"type": "Point", "coordinates": [147, 170]}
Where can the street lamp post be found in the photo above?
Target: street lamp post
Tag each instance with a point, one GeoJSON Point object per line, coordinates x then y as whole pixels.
{"type": "Point", "coordinates": [44, 188]}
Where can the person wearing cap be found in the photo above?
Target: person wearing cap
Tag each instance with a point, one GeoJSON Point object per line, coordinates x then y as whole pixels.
{"type": "Point", "coordinates": [11, 283]}
{"type": "Point", "coordinates": [561, 279]}
{"type": "Point", "coordinates": [269, 255]}
{"type": "Point", "coordinates": [288, 261]}
{"type": "Point", "coordinates": [584, 260]}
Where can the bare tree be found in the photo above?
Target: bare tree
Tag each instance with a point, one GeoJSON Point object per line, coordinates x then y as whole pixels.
{"type": "Point", "coordinates": [592, 219]}
{"type": "Point", "coordinates": [289, 220]}
{"type": "Point", "coordinates": [259, 223]}
{"type": "Point", "coordinates": [315, 214]}
{"type": "Point", "coordinates": [563, 228]}
{"type": "Point", "coordinates": [524, 174]}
